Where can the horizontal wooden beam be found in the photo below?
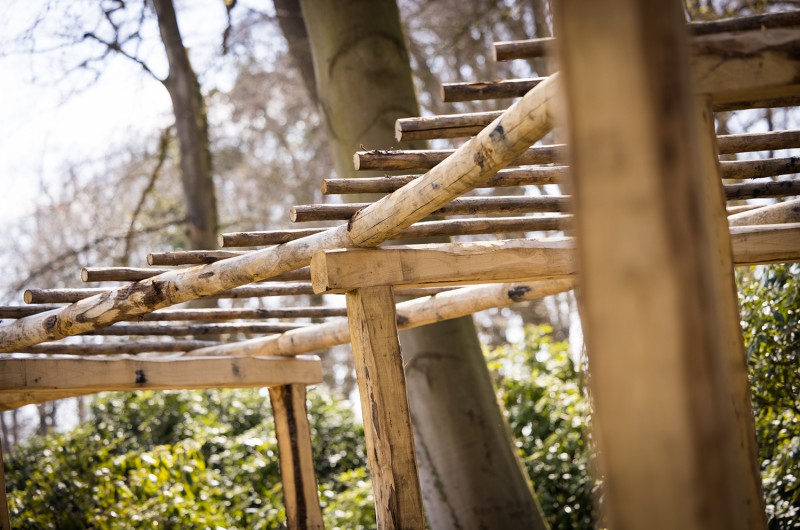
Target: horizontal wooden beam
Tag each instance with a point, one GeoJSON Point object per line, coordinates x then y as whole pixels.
{"type": "Point", "coordinates": [98, 375]}
{"type": "Point", "coordinates": [526, 176]}
{"type": "Point", "coordinates": [136, 274]}
{"type": "Point", "coordinates": [445, 264]}
{"type": "Point", "coordinates": [70, 295]}
{"type": "Point", "coordinates": [397, 159]}
{"type": "Point", "coordinates": [410, 314]}
{"type": "Point", "coordinates": [533, 48]}
{"type": "Point", "coordinates": [448, 227]}
{"type": "Point", "coordinates": [117, 348]}
{"type": "Point", "coordinates": [782, 212]}
{"type": "Point", "coordinates": [504, 261]}
{"type": "Point", "coordinates": [196, 330]}
{"type": "Point", "coordinates": [513, 205]}
{"type": "Point", "coordinates": [522, 125]}
{"type": "Point", "coordinates": [756, 190]}
{"type": "Point", "coordinates": [426, 159]}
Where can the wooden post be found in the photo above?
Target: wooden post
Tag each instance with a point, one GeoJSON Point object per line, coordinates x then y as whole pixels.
{"type": "Point", "coordinates": [300, 494]}
{"type": "Point", "coordinates": [5, 520]}
{"type": "Point", "coordinates": [720, 267]}
{"type": "Point", "coordinates": [649, 247]}
{"type": "Point", "coordinates": [384, 405]}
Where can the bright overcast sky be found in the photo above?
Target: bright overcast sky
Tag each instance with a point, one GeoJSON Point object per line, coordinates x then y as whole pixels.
{"type": "Point", "coordinates": [40, 132]}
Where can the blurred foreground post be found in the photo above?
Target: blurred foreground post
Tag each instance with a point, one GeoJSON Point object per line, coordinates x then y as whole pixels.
{"type": "Point", "coordinates": [655, 272]}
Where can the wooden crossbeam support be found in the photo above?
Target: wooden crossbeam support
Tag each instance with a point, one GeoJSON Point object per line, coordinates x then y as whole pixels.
{"type": "Point", "coordinates": [298, 479]}
{"type": "Point", "coordinates": [649, 249]}
{"type": "Point", "coordinates": [532, 48]}
{"type": "Point", "coordinates": [99, 375]}
{"type": "Point", "coordinates": [410, 314]}
{"type": "Point", "coordinates": [384, 406]}
{"type": "Point", "coordinates": [522, 125]}
{"type": "Point", "coordinates": [507, 261]}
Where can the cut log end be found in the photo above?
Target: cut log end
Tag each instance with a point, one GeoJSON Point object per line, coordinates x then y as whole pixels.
{"type": "Point", "coordinates": [398, 131]}
{"type": "Point", "coordinates": [356, 161]}
{"type": "Point", "coordinates": [221, 240]}
{"type": "Point", "coordinates": [28, 297]}
{"type": "Point", "coordinates": [293, 210]}
{"type": "Point", "coordinates": [84, 275]}
{"type": "Point", "coordinates": [150, 260]}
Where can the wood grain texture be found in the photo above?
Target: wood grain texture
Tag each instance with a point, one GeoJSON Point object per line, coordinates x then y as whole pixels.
{"type": "Point", "coordinates": [300, 496]}
{"type": "Point", "coordinates": [444, 264]}
{"type": "Point", "coordinates": [507, 260]}
{"type": "Point", "coordinates": [98, 375]}
{"type": "Point", "coordinates": [649, 249]}
{"type": "Point", "coordinates": [384, 406]}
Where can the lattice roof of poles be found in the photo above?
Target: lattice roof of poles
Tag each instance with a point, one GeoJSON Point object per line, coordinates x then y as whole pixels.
{"type": "Point", "coordinates": [501, 155]}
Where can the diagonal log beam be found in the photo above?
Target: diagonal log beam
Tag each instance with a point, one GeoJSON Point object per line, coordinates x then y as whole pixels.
{"type": "Point", "coordinates": [524, 123]}
{"type": "Point", "coordinates": [411, 314]}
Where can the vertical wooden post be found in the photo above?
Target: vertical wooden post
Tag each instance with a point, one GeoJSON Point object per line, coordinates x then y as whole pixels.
{"type": "Point", "coordinates": [5, 521]}
{"type": "Point", "coordinates": [300, 495]}
{"type": "Point", "coordinates": [649, 248]}
{"type": "Point", "coordinates": [384, 406]}
{"type": "Point", "coordinates": [721, 268]}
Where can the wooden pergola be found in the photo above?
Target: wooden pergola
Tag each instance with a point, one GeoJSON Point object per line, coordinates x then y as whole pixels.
{"type": "Point", "coordinates": [644, 233]}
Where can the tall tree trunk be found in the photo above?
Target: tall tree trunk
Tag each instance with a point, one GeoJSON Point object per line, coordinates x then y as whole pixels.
{"type": "Point", "coordinates": [192, 130]}
{"type": "Point", "coordinates": [470, 475]}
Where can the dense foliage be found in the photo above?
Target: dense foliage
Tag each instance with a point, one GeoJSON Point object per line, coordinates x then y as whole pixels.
{"type": "Point", "coordinates": [209, 459]}
{"type": "Point", "coordinates": [770, 303]}
{"type": "Point", "coordinates": [542, 391]}
{"type": "Point", "coordinates": [183, 460]}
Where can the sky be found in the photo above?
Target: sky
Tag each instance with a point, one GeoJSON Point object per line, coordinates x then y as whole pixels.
{"type": "Point", "coordinates": [43, 128]}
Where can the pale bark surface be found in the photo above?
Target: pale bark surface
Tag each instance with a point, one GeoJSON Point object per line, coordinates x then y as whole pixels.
{"type": "Point", "coordinates": [469, 472]}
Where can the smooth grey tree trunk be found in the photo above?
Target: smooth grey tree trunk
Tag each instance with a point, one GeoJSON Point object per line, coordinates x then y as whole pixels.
{"type": "Point", "coordinates": [191, 125]}
{"type": "Point", "coordinates": [470, 475]}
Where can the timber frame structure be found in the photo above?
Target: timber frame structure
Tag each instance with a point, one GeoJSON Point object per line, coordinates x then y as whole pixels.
{"type": "Point", "coordinates": [653, 253]}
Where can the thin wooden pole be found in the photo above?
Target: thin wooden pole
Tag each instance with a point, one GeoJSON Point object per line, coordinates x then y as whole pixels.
{"type": "Point", "coordinates": [448, 227]}
{"type": "Point", "coordinates": [196, 330]}
{"type": "Point", "coordinates": [513, 88]}
{"type": "Point", "coordinates": [426, 159]}
{"type": "Point", "coordinates": [68, 296]}
{"type": "Point", "coordinates": [300, 496]}
{"type": "Point", "coordinates": [663, 421]}
{"type": "Point", "coordinates": [533, 48]}
{"type": "Point", "coordinates": [512, 205]}
{"type": "Point", "coordinates": [782, 212]}
{"type": "Point", "coordinates": [136, 274]}
{"type": "Point", "coordinates": [118, 348]}
{"type": "Point", "coordinates": [384, 406]}
{"type": "Point", "coordinates": [386, 184]}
